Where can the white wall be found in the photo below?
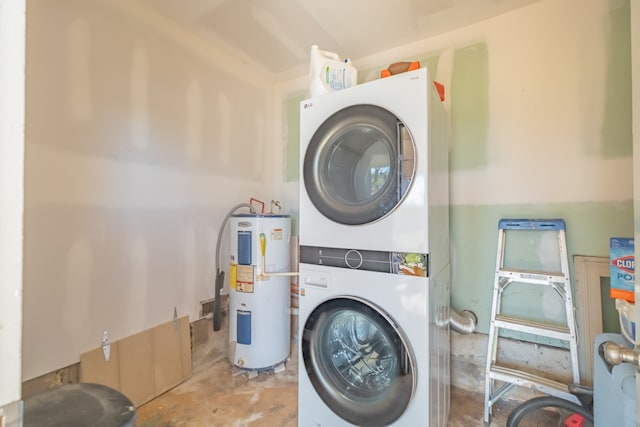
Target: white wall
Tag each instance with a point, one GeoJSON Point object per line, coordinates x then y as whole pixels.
{"type": "Point", "coordinates": [12, 45]}
{"type": "Point", "coordinates": [140, 138]}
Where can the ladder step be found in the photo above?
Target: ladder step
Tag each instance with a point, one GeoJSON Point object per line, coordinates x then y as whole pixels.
{"type": "Point", "coordinates": [533, 327]}
{"type": "Point", "coordinates": [532, 276]}
{"type": "Point", "coordinates": [531, 224]}
{"type": "Point", "coordinates": [525, 379]}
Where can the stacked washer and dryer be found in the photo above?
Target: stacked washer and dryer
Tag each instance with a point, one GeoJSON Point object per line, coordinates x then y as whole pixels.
{"type": "Point", "coordinates": [374, 256]}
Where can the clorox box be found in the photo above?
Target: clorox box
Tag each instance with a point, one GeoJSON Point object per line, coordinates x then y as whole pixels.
{"type": "Point", "coordinates": [623, 269]}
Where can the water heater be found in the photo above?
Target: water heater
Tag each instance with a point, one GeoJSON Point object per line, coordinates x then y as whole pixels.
{"type": "Point", "coordinates": [259, 292]}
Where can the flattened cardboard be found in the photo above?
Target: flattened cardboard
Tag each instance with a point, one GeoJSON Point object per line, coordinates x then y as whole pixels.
{"type": "Point", "coordinates": [185, 347]}
{"type": "Point", "coordinates": [144, 365]}
{"type": "Point", "coordinates": [167, 361]}
{"type": "Point", "coordinates": [136, 367]}
{"type": "Point", "coordinates": [95, 369]}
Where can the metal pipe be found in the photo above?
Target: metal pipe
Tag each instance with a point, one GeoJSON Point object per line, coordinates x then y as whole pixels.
{"type": "Point", "coordinates": [463, 322]}
{"type": "Point", "coordinates": [616, 354]}
{"type": "Point", "coordinates": [287, 273]}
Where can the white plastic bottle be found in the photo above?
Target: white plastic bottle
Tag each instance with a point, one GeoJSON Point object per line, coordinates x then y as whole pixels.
{"type": "Point", "coordinates": [328, 73]}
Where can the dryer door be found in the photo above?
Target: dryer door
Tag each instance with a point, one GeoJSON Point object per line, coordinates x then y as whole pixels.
{"type": "Point", "coordinates": [359, 165]}
{"type": "Point", "coordinates": [358, 362]}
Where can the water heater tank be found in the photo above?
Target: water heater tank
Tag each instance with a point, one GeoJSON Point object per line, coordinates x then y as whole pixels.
{"type": "Point", "coordinates": [259, 302]}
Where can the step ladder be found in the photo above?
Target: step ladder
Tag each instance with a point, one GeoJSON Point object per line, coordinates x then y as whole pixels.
{"type": "Point", "coordinates": [510, 377]}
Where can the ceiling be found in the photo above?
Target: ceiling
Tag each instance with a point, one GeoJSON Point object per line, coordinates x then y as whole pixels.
{"type": "Point", "coordinates": [276, 35]}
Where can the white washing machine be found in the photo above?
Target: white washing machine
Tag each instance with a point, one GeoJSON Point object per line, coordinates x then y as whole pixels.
{"type": "Point", "coordinates": [374, 347]}
{"type": "Point", "coordinates": [374, 167]}
{"type": "Point", "coordinates": [374, 256]}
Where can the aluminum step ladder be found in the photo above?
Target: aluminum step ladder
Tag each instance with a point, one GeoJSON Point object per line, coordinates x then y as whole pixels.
{"type": "Point", "coordinates": [561, 283]}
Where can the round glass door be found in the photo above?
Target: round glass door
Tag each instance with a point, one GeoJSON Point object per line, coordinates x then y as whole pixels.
{"type": "Point", "coordinates": [358, 362]}
{"type": "Point", "coordinates": [359, 165]}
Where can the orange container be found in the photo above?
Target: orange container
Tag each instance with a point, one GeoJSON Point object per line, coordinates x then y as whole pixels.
{"type": "Point", "coordinates": [403, 67]}
{"type": "Point", "coordinates": [399, 67]}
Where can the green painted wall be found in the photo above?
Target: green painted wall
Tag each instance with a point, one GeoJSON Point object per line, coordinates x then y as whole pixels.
{"type": "Point", "coordinates": [616, 138]}
{"type": "Point", "coordinates": [470, 107]}
{"type": "Point", "coordinates": [291, 122]}
{"type": "Point", "coordinates": [474, 239]}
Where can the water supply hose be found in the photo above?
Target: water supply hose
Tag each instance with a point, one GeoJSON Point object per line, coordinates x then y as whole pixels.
{"type": "Point", "coordinates": [543, 402]}
{"type": "Point", "coordinates": [217, 300]}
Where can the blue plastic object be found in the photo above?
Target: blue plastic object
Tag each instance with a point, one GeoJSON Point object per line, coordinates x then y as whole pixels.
{"type": "Point", "coordinates": [244, 247]}
{"type": "Point", "coordinates": [531, 224]}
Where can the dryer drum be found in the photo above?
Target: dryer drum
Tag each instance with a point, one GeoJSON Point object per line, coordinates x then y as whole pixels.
{"type": "Point", "coordinates": [358, 362]}
{"type": "Point", "coordinates": [359, 165]}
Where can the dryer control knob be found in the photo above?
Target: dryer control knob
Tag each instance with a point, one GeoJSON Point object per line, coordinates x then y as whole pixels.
{"type": "Point", "coordinates": [353, 259]}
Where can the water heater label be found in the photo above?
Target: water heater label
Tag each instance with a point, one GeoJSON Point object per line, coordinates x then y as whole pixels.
{"type": "Point", "coordinates": [276, 234]}
{"type": "Point", "coordinates": [244, 278]}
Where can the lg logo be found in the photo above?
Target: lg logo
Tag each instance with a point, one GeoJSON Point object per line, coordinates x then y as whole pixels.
{"type": "Point", "coordinates": [307, 105]}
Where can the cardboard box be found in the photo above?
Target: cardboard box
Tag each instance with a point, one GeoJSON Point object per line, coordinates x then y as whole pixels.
{"type": "Point", "coordinates": [623, 269]}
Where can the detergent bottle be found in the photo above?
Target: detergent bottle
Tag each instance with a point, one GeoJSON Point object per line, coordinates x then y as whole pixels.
{"type": "Point", "coordinates": [328, 73]}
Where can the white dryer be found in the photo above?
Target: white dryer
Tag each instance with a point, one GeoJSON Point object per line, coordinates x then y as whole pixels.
{"type": "Point", "coordinates": [374, 256]}
{"type": "Point", "coordinates": [374, 167]}
{"type": "Point", "coordinates": [374, 347]}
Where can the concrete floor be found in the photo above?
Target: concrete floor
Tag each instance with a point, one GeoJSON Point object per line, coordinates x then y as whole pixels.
{"type": "Point", "coordinates": [270, 400]}
{"type": "Point", "coordinates": [219, 395]}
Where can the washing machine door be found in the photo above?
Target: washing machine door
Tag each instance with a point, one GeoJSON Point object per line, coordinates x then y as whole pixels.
{"type": "Point", "coordinates": [359, 165]}
{"type": "Point", "coordinates": [358, 362]}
